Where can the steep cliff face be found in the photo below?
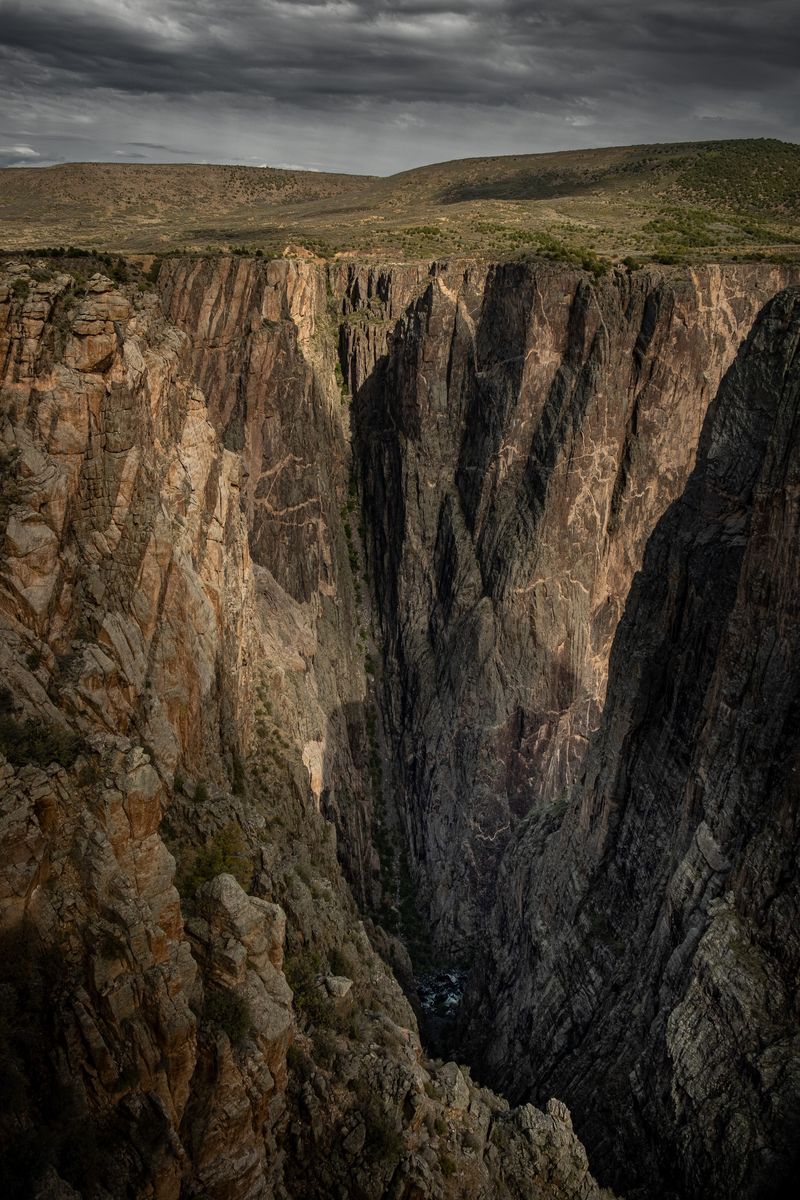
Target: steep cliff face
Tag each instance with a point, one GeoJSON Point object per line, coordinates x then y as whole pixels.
{"type": "Point", "coordinates": [182, 644]}
{"type": "Point", "coordinates": [308, 585]}
{"type": "Point", "coordinates": [519, 432]}
{"type": "Point", "coordinates": [262, 348]}
{"type": "Point", "coordinates": [646, 951]}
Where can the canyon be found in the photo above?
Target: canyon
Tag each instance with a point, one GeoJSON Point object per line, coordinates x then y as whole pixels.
{"type": "Point", "coordinates": [361, 620]}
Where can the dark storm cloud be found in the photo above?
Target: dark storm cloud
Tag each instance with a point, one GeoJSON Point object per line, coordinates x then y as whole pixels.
{"type": "Point", "coordinates": [572, 62]}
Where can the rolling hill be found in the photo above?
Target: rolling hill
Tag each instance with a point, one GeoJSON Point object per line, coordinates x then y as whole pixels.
{"type": "Point", "coordinates": [683, 201]}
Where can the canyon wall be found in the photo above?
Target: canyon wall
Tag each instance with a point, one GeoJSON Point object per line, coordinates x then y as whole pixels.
{"type": "Point", "coordinates": [309, 584]}
{"type": "Point", "coordinates": [190, 746]}
{"type": "Point", "coordinates": [643, 956]}
{"type": "Point", "coordinates": [519, 431]}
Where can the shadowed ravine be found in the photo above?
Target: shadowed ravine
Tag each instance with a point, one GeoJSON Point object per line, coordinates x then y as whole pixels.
{"type": "Point", "coordinates": [412, 622]}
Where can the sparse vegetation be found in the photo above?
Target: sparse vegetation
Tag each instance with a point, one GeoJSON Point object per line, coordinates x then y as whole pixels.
{"type": "Point", "coordinates": [225, 854]}
{"type": "Point", "coordinates": [238, 777]}
{"type": "Point", "coordinates": [339, 961]}
{"type": "Point", "coordinates": [299, 1064]}
{"type": "Point", "coordinates": [229, 1011]}
{"type": "Point", "coordinates": [325, 1046]}
{"type": "Point", "coordinates": [448, 1165]}
{"type": "Point", "coordinates": [384, 1138]}
{"type": "Point", "coordinates": [588, 207]}
{"type": "Point", "coordinates": [10, 488]}
{"type": "Point", "coordinates": [302, 973]}
{"type": "Point", "coordinates": [35, 741]}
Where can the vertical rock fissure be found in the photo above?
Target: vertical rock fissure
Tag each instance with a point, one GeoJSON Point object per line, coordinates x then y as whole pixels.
{"type": "Point", "coordinates": [519, 432]}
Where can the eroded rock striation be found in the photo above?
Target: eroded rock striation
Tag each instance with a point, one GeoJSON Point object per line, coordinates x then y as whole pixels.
{"type": "Point", "coordinates": [192, 1003]}
{"type": "Point", "coordinates": [309, 579]}
{"type": "Point", "coordinates": [519, 433]}
{"type": "Point", "coordinates": [644, 952]}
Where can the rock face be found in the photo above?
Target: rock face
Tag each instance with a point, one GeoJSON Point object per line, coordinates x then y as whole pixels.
{"type": "Point", "coordinates": [308, 583]}
{"type": "Point", "coordinates": [645, 950]}
{"type": "Point", "coordinates": [520, 431]}
{"type": "Point", "coordinates": [185, 700]}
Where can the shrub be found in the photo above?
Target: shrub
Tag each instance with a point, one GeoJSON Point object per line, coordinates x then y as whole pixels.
{"type": "Point", "coordinates": [237, 775]}
{"type": "Point", "coordinates": [10, 490]}
{"type": "Point", "coordinates": [229, 1011]}
{"type": "Point", "coordinates": [339, 961]}
{"type": "Point", "coordinates": [310, 1002]}
{"type": "Point", "coordinates": [305, 873]}
{"type": "Point", "coordinates": [299, 1063]}
{"type": "Point", "coordinates": [37, 742]}
{"type": "Point", "coordinates": [301, 974]}
{"type": "Point", "coordinates": [668, 257]}
{"type": "Point", "coordinates": [89, 774]}
{"type": "Point", "coordinates": [119, 271]}
{"type": "Point", "coordinates": [201, 792]}
{"type": "Point", "coordinates": [325, 1046]}
{"type": "Point", "coordinates": [225, 854]}
{"type": "Point", "coordinates": [20, 289]}
{"type": "Point", "coordinates": [384, 1139]}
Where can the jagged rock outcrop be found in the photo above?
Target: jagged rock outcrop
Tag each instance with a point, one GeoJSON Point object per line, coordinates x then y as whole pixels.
{"type": "Point", "coordinates": [242, 659]}
{"type": "Point", "coordinates": [644, 953]}
{"type": "Point", "coordinates": [185, 701]}
{"type": "Point", "coordinates": [520, 430]}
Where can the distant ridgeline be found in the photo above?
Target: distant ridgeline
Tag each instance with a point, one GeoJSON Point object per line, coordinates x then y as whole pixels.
{"type": "Point", "coordinates": [693, 201]}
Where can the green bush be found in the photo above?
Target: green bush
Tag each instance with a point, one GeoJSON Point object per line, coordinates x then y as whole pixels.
{"type": "Point", "coordinates": [325, 1046]}
{"type": "Point", "coordinates": [10, 489]}
{"type": "Point", "coordinates": [312, 1005]}
{"type": "Point", "coordinates": [37, 742]}
{"type": "Point", "coordinates": [229, 1011]}
{"type": "Point", "coordinates": [668, 257]}
{"type": "Point", "coordinates": [225, 854]}
{"type": "Point", "coordinates": [238, 778]}
{"type": "Point", "coordinates": [299, 1063]}
{"type": "Point", "coordinates": [301, 974]}
{"type": "Point", "coordinates": [448, 1165]}
{"type": "Point", "coordinates": [339, 961]}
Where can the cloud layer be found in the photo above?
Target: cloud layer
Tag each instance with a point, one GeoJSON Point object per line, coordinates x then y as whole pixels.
{"type": "Point", "coordinates": [379, 85]}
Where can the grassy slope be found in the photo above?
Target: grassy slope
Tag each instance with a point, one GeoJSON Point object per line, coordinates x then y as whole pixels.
{"type": "Point", "coordinates": [690, 200]}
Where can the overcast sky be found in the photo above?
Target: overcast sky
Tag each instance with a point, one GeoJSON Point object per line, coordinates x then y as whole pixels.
{"type": "Point", "coordinates": [381, 85]}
